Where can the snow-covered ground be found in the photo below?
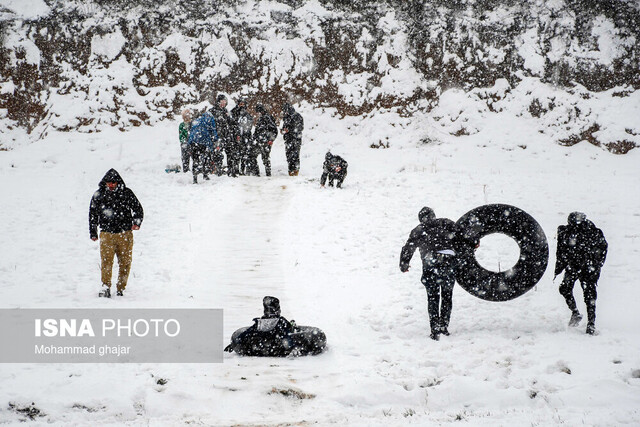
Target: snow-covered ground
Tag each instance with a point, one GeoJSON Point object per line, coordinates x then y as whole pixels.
{"type": "Point", "coordinates": [331, 256]}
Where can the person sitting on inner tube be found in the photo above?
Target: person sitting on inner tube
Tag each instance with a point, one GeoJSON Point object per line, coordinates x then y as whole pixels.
{"type": "Point", "coordinates": [269, 334]}
{"type": "Point", "coordinates": [437, 240]}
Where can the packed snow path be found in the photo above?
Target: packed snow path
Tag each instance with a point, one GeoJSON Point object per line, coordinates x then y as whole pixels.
{"type": "Point", "coordinates": [331, 256]}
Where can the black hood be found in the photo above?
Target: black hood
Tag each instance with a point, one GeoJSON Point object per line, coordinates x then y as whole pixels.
{"type": "Point", "coordinates": [111, 176]}
{"type": "Point", "coordinates": [576, 218]}
{"type": "Point", "coordinates": [426, 214]}
{"type": "Point", "coordinates": [271, 306]}
{"type": "Point", "coordinates": [288, 109]}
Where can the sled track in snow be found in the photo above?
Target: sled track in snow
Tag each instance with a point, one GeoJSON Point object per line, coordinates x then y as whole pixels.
{"type": "Point", "coordinates": [244, 243]}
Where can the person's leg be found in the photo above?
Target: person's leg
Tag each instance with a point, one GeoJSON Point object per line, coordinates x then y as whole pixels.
{"type": "Point", "coordinates": [184, 150]}
{"type": "Point", "coordinates": [252, 164]}
{"type": "Point", "coordinates": [266, 158]}
{"type": "Point", "coordinates": [433, 304]}
{"type": "Point", "coordinates": [107, 252]}
{"type": "Point", "coordinates": [566, 290]}
{"type": "Point", "coordinates": [124, 252]}
{"type": "Point", "coordinates": [341, 178]}
{"type": "Point", "coordinates": [244, 153]}
{"type": "Point", "coordinates": [589, 284]}
{"type": "Point", "coordinates": [296, 157]}
{"type": "Point", "coordinates": [448, 281]}
{"type": "Point", "coordinates": [198, 161]}
{"type": "Point", "coordinates": [289, 152]}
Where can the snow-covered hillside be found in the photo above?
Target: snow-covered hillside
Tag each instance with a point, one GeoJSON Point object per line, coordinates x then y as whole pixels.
{"type": "Point", "coordinates": [83, 65]}
{"type": "Point", "coordinates": [331, 256]}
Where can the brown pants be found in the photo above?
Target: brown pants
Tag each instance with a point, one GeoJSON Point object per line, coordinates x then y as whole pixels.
{"type": "Point", "coordinates": [120, 245]}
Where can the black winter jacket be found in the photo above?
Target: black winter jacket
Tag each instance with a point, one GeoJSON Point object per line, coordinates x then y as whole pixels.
{"type": "Point", "coordinates": [116, 210]}
{"type": "Point", "coordinates": [224, 125]}
{"type": "Point", "coordinates": [266, 128]}
{"type": "Point", "coordinates": [242, 121]}
{"type": "Point", "coordinates": [430, 238]}
{"type": "Point", "coordinates": [580, 246]}
{"type": "Point", "coordinates": [294, 124]}
{"type": "Point", "coordinates": [268, 336]}
{"type": "Point", "coordinates": [333, 166]}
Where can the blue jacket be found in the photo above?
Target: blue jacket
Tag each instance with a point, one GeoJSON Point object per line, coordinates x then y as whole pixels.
{"type": "Point", "coordinates": [203, 131]}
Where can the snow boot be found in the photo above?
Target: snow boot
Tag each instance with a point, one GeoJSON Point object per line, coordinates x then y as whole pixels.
{"type": "Point", "coordinates": [576, 317]}
{"type": "Point", "coordinates": [119, 293]}
{"type": "Point", "coordinates": [195, 179]}
{"type": "Point", "coordinates": [105, 293]}
{"type": "Point", "coordinates": [591, 329]}
{"type": "Point", "coordinates": [434, 335]}
{"type": "Point", "coordinates": [444, 331]}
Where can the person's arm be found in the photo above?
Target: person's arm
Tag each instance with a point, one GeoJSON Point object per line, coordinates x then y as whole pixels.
{"type": "Point", "coordinates": [561, 261]}
{"type": "Point", "coordinates": [212, 131]}
{"type": "Point", "coordinates": [136, 209]}
{"type": "Point", "coordinates": [408, 250]}
{"type": "Point", "coordinates": [183, 133]}
{"type": "Point", "coordinates": [94, 216]}
{"type": "Point", "coordinates": [602, 247]}
{"type": "Point", "coordinates": [299, 126]}
{"type": "Point", "coordinates": [325, 174]}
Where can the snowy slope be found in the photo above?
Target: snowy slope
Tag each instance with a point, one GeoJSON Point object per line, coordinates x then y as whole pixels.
{"type": "Point", "coordinates": [331, 256]}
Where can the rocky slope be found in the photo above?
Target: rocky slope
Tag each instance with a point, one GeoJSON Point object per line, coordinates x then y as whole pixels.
{"type": "Point", "coordinates": [81, 65]}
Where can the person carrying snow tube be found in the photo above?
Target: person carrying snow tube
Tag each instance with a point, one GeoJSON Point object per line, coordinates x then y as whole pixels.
{"type": "Point", "coordinates": [437, 240]}
{"type": "Point", "coordinates": [274, 336]}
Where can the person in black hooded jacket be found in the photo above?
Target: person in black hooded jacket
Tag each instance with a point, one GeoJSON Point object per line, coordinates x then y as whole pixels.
{"type": "Point", "coordinates": [333, 168]}
{"type": "Point", "coordinates": [292, 126]}
{"type": "Point", "coordinates": [437, 240]}
{"type": "Point", "coordinates": [581, 252]}
{"type": "Point", "coordinates": [243, 123]}
{"type": "Point", "coordinates": [265, 133]}
{"type": "Point", "coordinates": [116, 210]}
{"type": "Point", "coordinates": [226, 143]}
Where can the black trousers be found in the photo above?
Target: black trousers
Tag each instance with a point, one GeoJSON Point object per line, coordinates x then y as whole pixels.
{"type": "Point", "coordinates": [233, 158]}
{"type": "Point", "coordinates": [216, 159]}
{"type": "Point", "coordinates": [339, 177]}
{"type": "Point", "coordinates": [186, 156]}
{"type": "Point", "coordinates": [588, 281]}
{"type": "Point", "coordinates": [265, 152]}
{"type": "Point", "coordinates": [251, 160]}
{"type": "Point", "coordinates": [200, 159]}
{"type": "Point", "coordinates": [439, 285]}
{"type": "Point", "coordinates": [243, 153]}
{"type": "Point", "coordinates": [292, 150]}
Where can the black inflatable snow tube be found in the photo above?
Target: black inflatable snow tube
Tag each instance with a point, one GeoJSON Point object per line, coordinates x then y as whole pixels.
{"type": "Point", "coordinates": [520, 226]}
{"type": "Point", "coordinates": [303, 341]}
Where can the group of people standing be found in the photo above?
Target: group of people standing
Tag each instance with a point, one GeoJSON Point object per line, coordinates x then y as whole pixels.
{"type": "Point", "coordinates": [210, 136]}
{"type": "Point", "coordinates": [581, 252]}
